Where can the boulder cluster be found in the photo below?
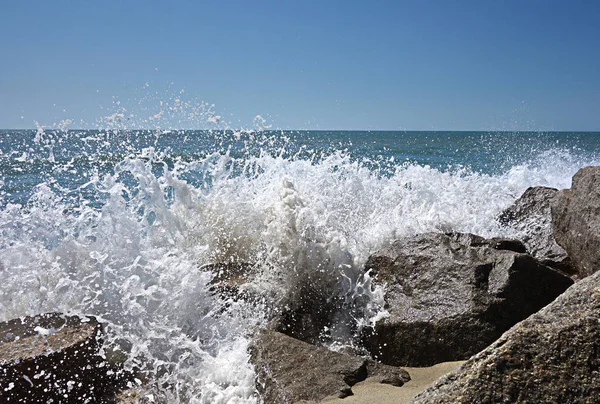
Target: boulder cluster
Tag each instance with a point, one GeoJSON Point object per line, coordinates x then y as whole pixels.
{"type": "Point", "coordinates": [524, 315]}
{"type": "Point", "coordinates": [554, 355]}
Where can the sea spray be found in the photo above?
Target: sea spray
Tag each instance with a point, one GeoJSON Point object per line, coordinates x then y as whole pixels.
{"type": "Point", "coordinates": [120, 224]}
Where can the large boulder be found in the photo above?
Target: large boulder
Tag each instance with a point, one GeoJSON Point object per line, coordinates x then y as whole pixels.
{"type": "Point", "coordinates": [451, 295]}
{"type": "Point", "coordinates": [551, 357]}
{"type": "Point", "coordinates": [228, 279]}
{"type": "Point", "coordinates": [292, 371]}
{"type": "Point", "coordinates": [576, 220]}
{"type": "Point", "coordinates": [530, 216]}
{"type": "Point", "coordinates": [311, 309]}
{"type": "Point", "coordinates": [54, 358]}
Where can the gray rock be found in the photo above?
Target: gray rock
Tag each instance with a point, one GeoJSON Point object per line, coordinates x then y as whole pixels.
{"type": "Point", "coordinates": [292, 371]}
{"type": "Point", "coordinates": [530, 216]}
{"type": "Point", "coordinates": [451, 295]}
{"type": "Point", "coordinates": [551, 357]}
{"type": "Point", "coordinates": [386, 374]}
{"type": "Point", "coordinates": [309, 310]}
{"type": "Point", "coordinates": [54, 357]}
{"type": "Point", "coordinates": [229, 278]}
{"type": "Point", "coordinates": [576, 220]}
{"type": "Point", "coordinates": [138, 395]}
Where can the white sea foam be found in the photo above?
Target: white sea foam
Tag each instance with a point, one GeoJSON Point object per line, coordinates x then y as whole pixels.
{"type": "Point", "coordinates": [134, 262]}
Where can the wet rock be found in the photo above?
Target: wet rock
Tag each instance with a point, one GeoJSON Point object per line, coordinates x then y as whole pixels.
{"type": "Point", "coordinates": [137, 395]}
{"type": "Point", "coordinates": [576, 220]}
{"type": "Point", "coordinates": [309, 310]}
{"type": "Point", "coordinates": [291, 371]}
{"type": "Point", "coordinates": [54, 357]}
{"type": "Point", "coordinates": [386, 374]}
{"type": "Point", "coordinates": [498, 243]}
{"type": "Point", "coordinates": [551, 357]}
{"type": "Point", "coordinates": [530, 215]}
{"type": "Point", "coordinates": [234, 273]}
{"type": "Point", "coordinates": [228, 278]}
{"type": "Point", "coordinates": [451, 295]}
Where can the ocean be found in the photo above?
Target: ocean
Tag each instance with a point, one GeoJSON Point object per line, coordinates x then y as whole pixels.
{"type": "Point", "coordinates": [123, 224]}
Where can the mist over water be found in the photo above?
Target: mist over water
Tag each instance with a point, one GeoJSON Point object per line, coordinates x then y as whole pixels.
{"type": "Point", "coordinates": [121, 224]}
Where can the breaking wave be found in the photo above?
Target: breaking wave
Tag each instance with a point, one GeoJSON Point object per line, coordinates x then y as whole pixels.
{"type": "Point", "coordinates": [124, 225]}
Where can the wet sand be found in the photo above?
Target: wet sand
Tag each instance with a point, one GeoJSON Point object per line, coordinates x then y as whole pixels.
{"type": "Point", "coordinates": [370, 391]}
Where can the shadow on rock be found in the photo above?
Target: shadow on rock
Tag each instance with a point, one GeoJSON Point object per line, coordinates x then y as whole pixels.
{"type": "Point", "coordinates": [451, 295]}
{"type": "Point", "coordinates": [289, 370]}
{"type": "Point", "coordinates": [54, 357]}
{"type": "Point", "coordinates": [551, 357]}
{"type": "Point", "coordinates": [531, 217]}
{"type": "Point", "coordinates": [576, 220]}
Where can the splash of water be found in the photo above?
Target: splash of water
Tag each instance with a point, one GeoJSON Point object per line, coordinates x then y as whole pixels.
{"type": "Point", "coordinates": [122, 230]}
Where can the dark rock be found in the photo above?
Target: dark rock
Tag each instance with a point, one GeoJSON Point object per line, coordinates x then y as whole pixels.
{"type": "Point", "coordinates": [451, 295]}
{"type": "Point", "coordinates": [551, 357]}
{"type": "Point", "coordinates": [530, 216]}
{"type": "Point", "coordinates": [309, 309]}
{"type": "Point", "coordinates": [228, 279]}
{"type": "Point", "coordinates": [234, 273]}
{"type": "Point", "coordinates": [290, 371]}
{"type": "Point", "coordinates": [54, 357]}
{"type": "Point", "coordinates": [138, 395]}
{"type": "Point", "coordinates": [576, 220]}
{"type": "Point", "coordinates": [535, 201]}
{"type": "Point", "coordinates": [386, 374]}
{"type": "Point", "coordinates": [498, 243]}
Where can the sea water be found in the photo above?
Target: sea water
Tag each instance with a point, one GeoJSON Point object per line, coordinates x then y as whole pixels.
{"type": "Point", "coordinates": [121, 224]}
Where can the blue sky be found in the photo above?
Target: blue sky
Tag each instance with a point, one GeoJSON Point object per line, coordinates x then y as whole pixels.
{"type": "Point", "coordinates": [393, 65]}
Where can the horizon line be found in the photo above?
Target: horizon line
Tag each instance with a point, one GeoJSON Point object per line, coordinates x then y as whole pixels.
{"type": "Point", "coordinates": [310, 130]}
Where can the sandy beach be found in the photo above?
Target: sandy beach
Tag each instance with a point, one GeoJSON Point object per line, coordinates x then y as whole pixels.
{"type": "Point", "coordinates": [371, 391]}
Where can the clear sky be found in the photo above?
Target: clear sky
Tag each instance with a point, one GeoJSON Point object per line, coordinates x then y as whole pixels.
{"type": "Point", "coordinates": [393, 65]}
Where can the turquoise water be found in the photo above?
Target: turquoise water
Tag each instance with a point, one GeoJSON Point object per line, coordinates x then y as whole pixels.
{"type": "Point", "coordinates": [120, 225]}
{"type": "Point", "coordinates": [66, 158]}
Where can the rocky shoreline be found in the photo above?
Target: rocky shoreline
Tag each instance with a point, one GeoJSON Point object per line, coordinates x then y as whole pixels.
{"type": "Point", "coordinates": [523, 314]}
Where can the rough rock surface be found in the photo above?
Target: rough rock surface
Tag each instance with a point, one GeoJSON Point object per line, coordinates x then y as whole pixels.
{"type": "Point", "coordinates": [530, 215]}
{"type": "Point", "coordinates": [551, 357]}
{"type": "Point", "coordinates": [451, 295]}
{"type": "Point", "coordinates": [137, 395]}
{"type": "Point", "coordinates": [228, 278]}
{"type": "Point", "coordinates": [576, 220]}
{"type": "Point", "coordinates": [291, 371]}
{"type": "Point", "coordinates": [309, 310]}
{"type": "Point", "coordinates": [312, 308]}
{"type": "Point", "coordinates": [54, 357]}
